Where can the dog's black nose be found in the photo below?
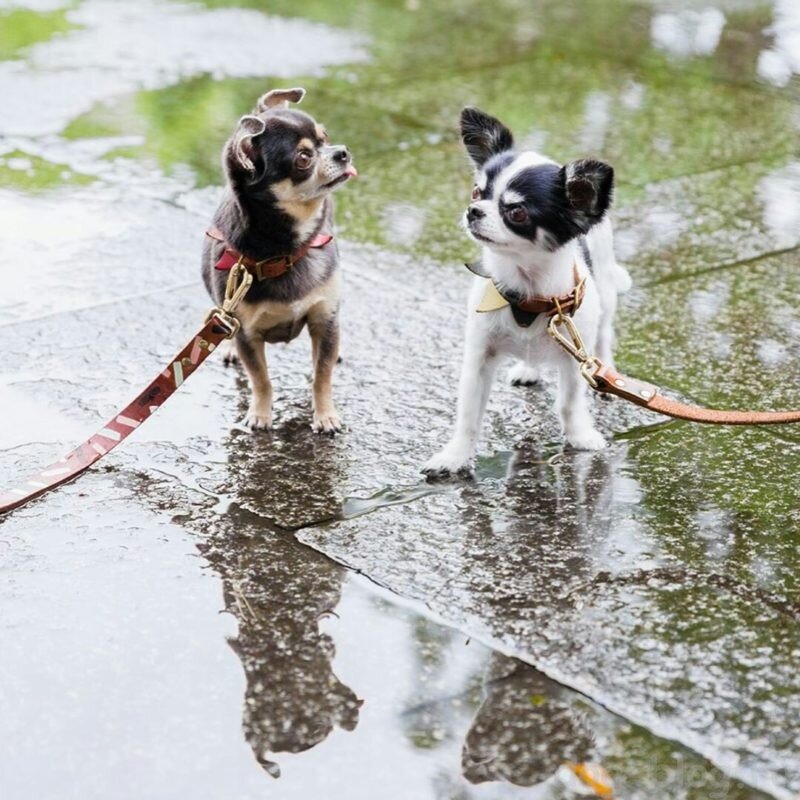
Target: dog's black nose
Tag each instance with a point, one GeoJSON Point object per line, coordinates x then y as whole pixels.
{"type": "Point", "coordinates": [341, 154]}
{"type": "Point", "coordinates": [473, 213]}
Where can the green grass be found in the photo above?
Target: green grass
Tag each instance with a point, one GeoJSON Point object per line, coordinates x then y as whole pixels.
{"type": "Point", "coordinates": [21, 28]}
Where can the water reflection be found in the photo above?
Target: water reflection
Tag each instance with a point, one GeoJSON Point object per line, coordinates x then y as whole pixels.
{"type": "Point", "coordinates": [513, 726]}
{"type": "Point", "coordinates": [780, 193]}
{"type": "Point", "coordinates": [525, 729]}
{"type": "Point", "coordinates": [293, 699]}
{"type": "Point", "coordinates": [280, 592]}
{"type": "Point", "coordinates": [111, 49]}
{"type": "Point", "coordinates": [445, 721]}
{"type": "Point", "coordinates": [689, 32]}
{"type": "Point", "coordinates": [537, 535]}
{"type": "Point", "coordinates": [778, 63]}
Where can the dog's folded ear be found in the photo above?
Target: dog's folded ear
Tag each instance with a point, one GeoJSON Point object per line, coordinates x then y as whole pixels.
{"type": "Point", "coordinates": [589, 186]}
{"type": "Point", "coordinates": [242, 157]}
{"type": "Point", "coordinates": [483, 135]}
{"type": "Point", "coordinates": [279, 98]}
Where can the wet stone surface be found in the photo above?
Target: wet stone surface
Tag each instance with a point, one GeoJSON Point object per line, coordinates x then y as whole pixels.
{"type": "Point", "coordinates": [636, 607]}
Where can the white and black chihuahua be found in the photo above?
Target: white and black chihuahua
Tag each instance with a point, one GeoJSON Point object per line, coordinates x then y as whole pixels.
{"type": "Point", "coordinates": [544, 230]}
{"type": "Point", "coordinates": [277, 214]}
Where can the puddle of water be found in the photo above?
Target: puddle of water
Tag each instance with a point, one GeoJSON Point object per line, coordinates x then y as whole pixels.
{"type": "Point", "coordinates": [689, 32]}
{"type": "Point", "coordinates": [632, 103]}
{"type": "Point", "coordinates": [781, 61]}
{"type": "Point", "coordinates": [514, 558]}
{"type": "Point", "coordinates": [336, 689]}
{"type": "Point", "coordinates": [357, 506]}
{"type": "Point", "coordinates": [111, 50]}
{"type": "Point", "coordinates": [494, 467]}
{"type": "Point", "coordinates": [657, 578]}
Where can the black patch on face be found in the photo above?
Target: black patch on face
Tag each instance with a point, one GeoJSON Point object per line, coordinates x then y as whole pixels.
{"type": "Point", "coordinates": [277, 148]}
{"type": "Point", "coordinates": [544, 198]}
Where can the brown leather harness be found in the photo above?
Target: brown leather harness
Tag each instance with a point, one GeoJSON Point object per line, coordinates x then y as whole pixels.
{"type": "Point", "coordinates": [559, 304]}
{"type": "Point", "coordinates": [526, 309]}
{"type": "Point", "coordinates": [268, 267]}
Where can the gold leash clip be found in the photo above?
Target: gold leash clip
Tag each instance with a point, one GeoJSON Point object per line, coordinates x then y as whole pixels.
{"type": "Point", "coordinates": [574, 345]}
{"type": "Point", "coordinates": [235, 290]}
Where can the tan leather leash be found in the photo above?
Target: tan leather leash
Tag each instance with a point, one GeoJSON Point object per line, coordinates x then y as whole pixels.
{"type": "Point", "coordinates": [606, 380]}
{"type": "Point", "coordinates": [220, 324]}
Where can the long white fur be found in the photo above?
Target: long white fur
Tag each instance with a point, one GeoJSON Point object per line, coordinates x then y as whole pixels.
{"type": "Point", "coordinates": [529, 268]}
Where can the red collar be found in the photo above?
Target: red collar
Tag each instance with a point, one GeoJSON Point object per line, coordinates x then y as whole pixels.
{"type": "Point", "coordinates": [269, 267]}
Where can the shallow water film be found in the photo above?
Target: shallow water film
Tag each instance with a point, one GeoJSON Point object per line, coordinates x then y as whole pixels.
{"type": "Point", "coordinates": [210, 613]}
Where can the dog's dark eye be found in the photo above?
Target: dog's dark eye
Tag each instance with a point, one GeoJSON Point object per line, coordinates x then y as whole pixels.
{"type": "Point", "coordinates": [476, 193]}
{"type": "Point", "coordinates": [303, 159]}
{"type": "Point", "coordinates": [517, 214]}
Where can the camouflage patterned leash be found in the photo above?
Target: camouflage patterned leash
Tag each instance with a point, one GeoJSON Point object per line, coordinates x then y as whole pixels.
{"type": "Point", "coordinates": [220, 324]}
{"type": "Point", "coordinates": [606, 380]}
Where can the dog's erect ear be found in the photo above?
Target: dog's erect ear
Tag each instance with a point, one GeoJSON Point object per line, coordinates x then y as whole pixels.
{"type": "Point", "coordinates": [242, 156]}
{"type": "Point", "coordinates": [589, 186]}
{"type": "Point", "coordinates": [483, 136]}
{"type": "Point", "coordinates": [279, 98]}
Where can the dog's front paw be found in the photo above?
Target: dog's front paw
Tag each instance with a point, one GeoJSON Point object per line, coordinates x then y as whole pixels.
{"type": "Point", "coordinates": [326, 422]}
{"type": "Point", "coordinates": [258, 421]}
{"type": "Point", "coordinates": [590, 439]}
{"type": "Point", "coordinates": [522, 374]}
{"type": "Point", "coordinates": [450, 461]}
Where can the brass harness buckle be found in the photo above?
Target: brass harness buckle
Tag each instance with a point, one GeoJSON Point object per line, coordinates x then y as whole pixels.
{"type": "Point", "coordinates": [257, 266]}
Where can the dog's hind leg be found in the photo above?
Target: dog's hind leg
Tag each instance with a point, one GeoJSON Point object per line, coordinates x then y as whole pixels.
{"type": "Point", "coordinates": [324, 333]}
{"type": "Point", "coordinates": [611, 280]}
{"type": "Point", "coordinates": [524, 374]}
{"type": "Point", "coordinates": [254, 358]}
{"type": "Point", "coordinates": [605, 330]}
{"type": "Point", "coordinates": [230, 358]}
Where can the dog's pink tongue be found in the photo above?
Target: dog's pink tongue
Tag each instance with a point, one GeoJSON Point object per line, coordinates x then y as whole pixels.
{"type": "Point", "coordinates": [351, 171]}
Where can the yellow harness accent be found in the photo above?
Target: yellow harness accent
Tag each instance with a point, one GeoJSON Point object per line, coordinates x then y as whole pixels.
{"type": "Point", "coordinates": [491, 300]}
{"type": "Point", "coordinates": [595, 777]}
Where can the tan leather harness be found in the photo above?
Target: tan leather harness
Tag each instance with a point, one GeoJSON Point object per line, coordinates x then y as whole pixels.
{"type": "Point", "coordinates": [526, 309]}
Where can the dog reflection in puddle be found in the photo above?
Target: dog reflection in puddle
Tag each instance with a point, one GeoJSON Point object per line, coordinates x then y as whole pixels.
{"type": "Point", "coordinates": [528, 731]}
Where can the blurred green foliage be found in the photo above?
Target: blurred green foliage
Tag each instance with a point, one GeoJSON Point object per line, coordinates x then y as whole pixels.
{"type": "Point", "coordinates": [20, 28]}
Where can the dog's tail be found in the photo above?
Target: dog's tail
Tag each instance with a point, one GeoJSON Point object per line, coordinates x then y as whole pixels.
{"type": "Point", "coordinates": [622, 278]}
{"type": "Point", "coordinates": [601, 244]}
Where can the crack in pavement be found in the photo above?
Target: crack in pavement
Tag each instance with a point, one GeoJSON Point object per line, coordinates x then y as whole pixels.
{"type": "Point", "coordinates": [725, 266]}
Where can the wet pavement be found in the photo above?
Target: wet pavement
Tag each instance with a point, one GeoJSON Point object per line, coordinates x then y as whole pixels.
{"type": "Point", "coordinates": [381, 636]}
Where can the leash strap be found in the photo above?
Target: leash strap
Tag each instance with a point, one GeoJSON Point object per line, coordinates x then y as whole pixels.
{"type": "Point", "coordinates": [219, 325]}
{"type": "Point", "coordinates": [605, 379]}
